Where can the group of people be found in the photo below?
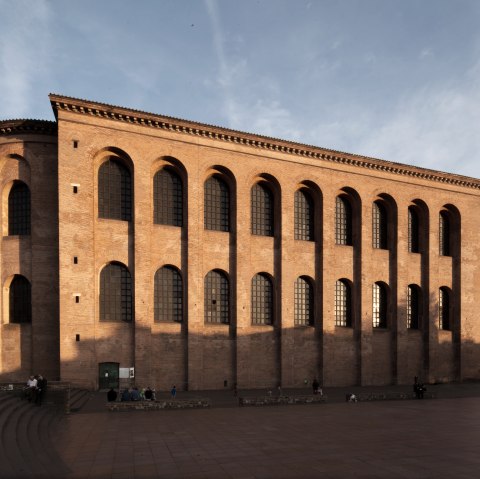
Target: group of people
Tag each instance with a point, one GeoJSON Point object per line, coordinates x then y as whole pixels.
{"type": "Point", "coordinates": [132, 394]}
{"type": "Point", "coordinates": [35, 389]}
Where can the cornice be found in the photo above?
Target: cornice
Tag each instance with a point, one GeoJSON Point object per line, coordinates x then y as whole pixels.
{"type": "Point", "coordinates": [28, 126]}
{"type": "Point", "coordinates": [150, 120]}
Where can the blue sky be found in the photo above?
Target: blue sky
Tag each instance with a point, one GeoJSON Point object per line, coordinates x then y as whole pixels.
{"type": "Point", "coordinates": [392, 79]}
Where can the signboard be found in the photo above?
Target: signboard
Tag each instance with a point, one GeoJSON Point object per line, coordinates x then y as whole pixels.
{"type": "Point", "coordinates": [124, 373]}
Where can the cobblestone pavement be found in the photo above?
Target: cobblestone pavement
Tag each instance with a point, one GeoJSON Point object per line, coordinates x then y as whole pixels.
{"type": "Point", "coordinates": [437, 438]}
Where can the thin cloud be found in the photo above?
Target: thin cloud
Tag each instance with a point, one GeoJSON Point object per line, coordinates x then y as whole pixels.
{"type": "Point", "coordinates": [24, 54]}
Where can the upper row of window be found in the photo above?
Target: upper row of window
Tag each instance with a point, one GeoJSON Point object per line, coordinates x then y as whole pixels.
{"type": "Point", "coordinates": [115, 202]}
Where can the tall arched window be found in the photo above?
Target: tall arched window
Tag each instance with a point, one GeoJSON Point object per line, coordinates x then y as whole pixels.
{"type": "Point", "coordinates": [217, 298]}
{"type": "Point", "coordinates": [262, 210]}
{"type": "Point", "coordinates": [19, 209]}
{"type": "Point", "coordinates": [262, 299]}
{"type": "Point", "coordinates": [444, 309]}
{"type": "Point", "coordinates": [20, 299]}
{"type": "Point", "coordinates": [216, 204]}
{"type": "Point", "coordinates": [380, 229]}
{"type": "Point", "coordinates": [413, 306]}
{"type": "Point", "coordinates": [343, 304]}
{"type": "Point", "coordinates": [343, 221]}
{"type": "Point", "coordinates": [116, 301]}
{"type": "Point", "coordinates": [379, 306]}
{"type": "Point", "coordinates": [304, 215]}
{"type": "Point", "coordinates": [413, 230]}
{"type": "Point", "coordinates": [304, 302]}
{"type": "Point", "coordinates": [114, 191]}
{"type": "Point", "coordinates": [167, 198]}
{"type": "Point", "coordinates": [168, 295]}
{"type": "Point", "coordinates": [444, 231]}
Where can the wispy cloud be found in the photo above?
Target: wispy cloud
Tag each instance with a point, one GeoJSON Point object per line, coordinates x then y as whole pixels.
{"type": "Point", "coordinates": [251, 102]}
{"type": "Point", "coordinates": [24, 53]}
{"type": "Point", "coordinates": [436, 128]}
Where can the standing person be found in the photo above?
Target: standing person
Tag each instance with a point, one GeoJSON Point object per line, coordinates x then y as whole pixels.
{"type": "Point", "coordinates": [41, 389]}
{"type": "Point", "coordinates": [315, 386]}
{"type": "Point", "coordinates": [31, 388]}
{"type": "Point", "coordinates": [173, 392]}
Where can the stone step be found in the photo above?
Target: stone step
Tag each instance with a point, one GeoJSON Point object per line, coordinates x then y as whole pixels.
{"type": "Point", "coordinates": [78, 399]}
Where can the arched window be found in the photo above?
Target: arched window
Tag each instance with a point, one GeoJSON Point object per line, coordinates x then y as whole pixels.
{"type": "Point", "coordinates": [380, 221]}
{"type": "Point", "coordinates": [304, 215]}
{"type": "Point", "coordinates": [343, 221]}
{"type": "Point", "coordinates": [217, 298]}
{"type": "Point", "coordinates": [444, 309]}
{"type": "Point", "coordinates": [20, 299]}
{"type": "Point", "coordinates": [444, 233]}
{"type": "Point", "coordinates": [413, 230]}
{"type": "Point", "coordinates": [114, 191]}
{"type": "Point", "coordinates": [19, 209]}
{"type": "Point", "coordinates": [216, 204]}
{"type": "Point", "coordinates": [262, 210]}
{"type": "Point", "coordinates": [262, 299]}
{"type": "Point", "coordinates": [379, 306]}
{"type": "Point", "coordinates": [168, 295]}
{"type": "Point", "coordinates": [167, 198]}
{"type": "Point", "coordinates": [413, 306]}
{"type": "Point", "coordinates": [343, 304]}
{"type": "Point", "coordinates": [116, 301]}
{"type": "Point", "coordinates": [304, 302]}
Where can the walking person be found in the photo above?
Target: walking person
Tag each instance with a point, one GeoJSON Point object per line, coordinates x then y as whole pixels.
{"type": "Point", "coordinates": [173, 392]}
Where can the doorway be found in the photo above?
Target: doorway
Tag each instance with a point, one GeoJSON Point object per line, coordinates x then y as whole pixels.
{"type": "Point", "coordinates": [108, 375]}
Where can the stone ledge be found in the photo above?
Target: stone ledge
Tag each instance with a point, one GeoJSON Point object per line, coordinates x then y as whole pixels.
{"type": "Point", "coordinates": [118, 406]}
{"type": "Point", "coordinates": [281, 400]}
{"type": "Point", "coordinates": [390, 396]}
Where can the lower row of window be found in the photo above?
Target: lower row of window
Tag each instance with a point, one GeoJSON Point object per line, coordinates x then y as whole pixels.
{"type": "Point", "coordinates": [116, 299]}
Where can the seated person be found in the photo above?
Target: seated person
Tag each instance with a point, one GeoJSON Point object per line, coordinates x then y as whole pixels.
{"type": "Point", "coordinates": [111, 395]}
{"type": "Point", "coordinates": [126, 395]}
{"type": "Point", "coordinates": [135, 395]}
{"type": "Point", "coordinates": [148, 394]}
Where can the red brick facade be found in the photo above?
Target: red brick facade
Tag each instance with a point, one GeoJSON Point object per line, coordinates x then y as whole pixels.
{"type": "Point", "coordinates": [70, 244]}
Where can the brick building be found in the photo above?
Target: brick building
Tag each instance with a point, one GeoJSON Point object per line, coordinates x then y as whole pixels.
{"type": "Point", "coordinates": [188, 254]}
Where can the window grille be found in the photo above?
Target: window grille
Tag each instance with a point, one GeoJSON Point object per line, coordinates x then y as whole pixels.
{"type": "Point", "coordinates": [216, 204]}
{"type": "Point", "coordinates": [167, 198]}
{"type": "Point", "coordinates": [444, 309]}
{"type": "Point", "coordinates": [304, 302]}
{"type": "Point", "coordinates": [262, 210]}
{"type": "Point", "coordinates": [413, 307]}
{"type": "Point", "coordinates": [304, 216]}
{"type": "Point", "coordinates": [20, 299]}
{"type": "Point", "coordinates": [379, 235]}
{"type": "Point", "coordinates": [343, 221]}
{"type": "Point", "coordinates": [217, 298]}
{"type": "Point", "coordinates": [343, 304]}
{"type": "Point", "coordinates": [413, 231]}
{"type": "Point", "coordinates": [444, 233]}
{"type": "Point", "coordinates": [379, 306]}
{"type": "Point", "coordinates": [168, 295]}
{"type": "Point", "coordinates": [19, 209]}
{"type": "Point", "coordinates": [114, 191]}
{"type": "Point", "coordinates": [116, 302]}
{"type": "Point", "coordinates": [262, 300]}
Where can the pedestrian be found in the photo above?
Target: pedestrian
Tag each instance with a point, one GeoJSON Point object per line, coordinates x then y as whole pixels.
{"type": "Point", "coordinates": [315, 386]}
{"type": "Point", "coordinates": [173, 392]}
{"type": "Point", "coordinates": [41, 390]}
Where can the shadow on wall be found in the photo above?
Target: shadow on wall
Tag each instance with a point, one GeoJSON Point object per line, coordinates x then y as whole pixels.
{"type": "Point", "coordinates": [207, 361]}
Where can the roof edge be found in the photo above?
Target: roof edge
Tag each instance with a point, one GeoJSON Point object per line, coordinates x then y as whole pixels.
{"type": "Point", "coordinates": [152, 120]}
{"type": "Point", "coordinates": [28, 126]}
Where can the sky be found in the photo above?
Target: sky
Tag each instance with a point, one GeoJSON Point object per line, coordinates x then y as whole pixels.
{"type": "Point", "coordinates": [392, 79]}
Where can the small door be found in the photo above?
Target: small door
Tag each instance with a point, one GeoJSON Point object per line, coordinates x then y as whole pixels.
{"type": "Point", "coordinates": [108, 375]}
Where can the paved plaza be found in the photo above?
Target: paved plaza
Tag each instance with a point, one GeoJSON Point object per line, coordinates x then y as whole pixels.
{"type": "Point", "coordinates": [388, 439]}
{"type": "Point", "coordinates": [430, 438]}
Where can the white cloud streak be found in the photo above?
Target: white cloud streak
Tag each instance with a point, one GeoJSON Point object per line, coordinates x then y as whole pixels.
{"type": "Point", "coordinates": [24, 53]}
